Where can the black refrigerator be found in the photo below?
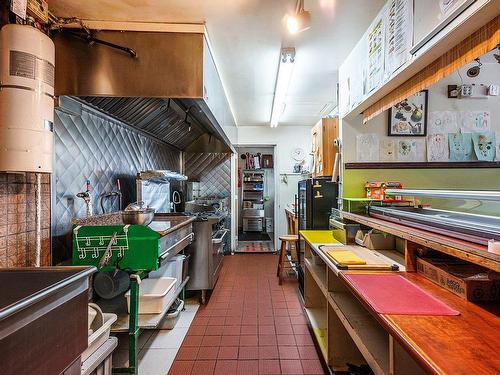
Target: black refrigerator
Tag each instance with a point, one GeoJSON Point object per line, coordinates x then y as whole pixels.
{"type": "Point", "coordinates": [315, 199]}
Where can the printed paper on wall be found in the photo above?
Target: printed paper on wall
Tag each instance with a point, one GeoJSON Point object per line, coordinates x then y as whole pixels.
{"type": "Point", "coordinates": [411, 150]}
{"type": "Point", "coordinates": [387, 150]}
{"type": "Point", "coordinates": [367, 147]}
{"type": "Point", "coordinates": [460, 146]}
{"type": "Point", "coordinates": [475, 121]}
{"type": "Point", "coordinates": [443, 122]}
{"type": "Point", "coordinates": [437, 147]}
{"type": "Point", "coordinates": [484, 145]}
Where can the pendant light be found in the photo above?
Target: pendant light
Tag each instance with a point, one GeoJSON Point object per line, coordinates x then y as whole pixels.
{"type": "Point", "coordinates": [300, 21]}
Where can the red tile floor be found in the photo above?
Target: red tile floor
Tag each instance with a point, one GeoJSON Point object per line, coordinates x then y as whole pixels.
{"type": "Point", "coordinates": [251, 325]}
{"type": "Point", "coordinates": [255, 247]}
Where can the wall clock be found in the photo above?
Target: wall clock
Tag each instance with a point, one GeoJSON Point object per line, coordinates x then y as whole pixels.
{"type": "Point", "coordinates": [298, 154]}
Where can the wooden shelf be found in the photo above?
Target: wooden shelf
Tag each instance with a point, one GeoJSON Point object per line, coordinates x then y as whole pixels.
{"type": "Point", "coordinates": [318, 320]}
{"type": "Point", "coordinates": [370, 338]}
{"type": "Point", "coordinates": [424, 165]}
{"type": "Point", "coordinates": [318, 273]}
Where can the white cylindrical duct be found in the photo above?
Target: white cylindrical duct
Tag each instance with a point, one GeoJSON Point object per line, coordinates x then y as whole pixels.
{"type": "Point", "coordinates": [26, 99]}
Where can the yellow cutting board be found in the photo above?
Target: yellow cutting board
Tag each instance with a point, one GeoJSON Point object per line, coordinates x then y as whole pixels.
{"type": "Point", "coordinates": [318, 236]}
{"type": "Point", "coordinates": [345, 257]}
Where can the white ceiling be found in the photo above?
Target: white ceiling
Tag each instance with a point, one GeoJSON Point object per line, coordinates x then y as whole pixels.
{"type": "Point", "coordinates": [246, 36]}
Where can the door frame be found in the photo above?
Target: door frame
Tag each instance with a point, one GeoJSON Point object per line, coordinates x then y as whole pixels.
{"type": "Point", "coordinates": [234, 191]}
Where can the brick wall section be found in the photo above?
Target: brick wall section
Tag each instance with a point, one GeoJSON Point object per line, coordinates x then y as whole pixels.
{"type": "Point", "coordinates": [17, 220]}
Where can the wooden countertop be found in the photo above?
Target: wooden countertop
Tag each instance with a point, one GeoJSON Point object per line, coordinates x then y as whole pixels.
{"type": "Point", "coordinates": [461, 249]}
{"type": "Point", "coordinates": [454, 345]}
{"type": "Point", "coordinates": [465, 344]}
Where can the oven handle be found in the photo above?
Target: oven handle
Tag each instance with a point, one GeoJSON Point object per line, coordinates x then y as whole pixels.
{"type": "Point", "coordinates": [165, 253]}
{"type": "Point", "coordinates": [219, 240]}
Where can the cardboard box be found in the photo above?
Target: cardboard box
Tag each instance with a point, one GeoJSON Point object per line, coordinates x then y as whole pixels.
{"type": "Point", "coordinates": [468, 281]}
{"type": "Point", "coordinates": [376, 190]}
{"type": "Point", "coordinates": [374, 240]}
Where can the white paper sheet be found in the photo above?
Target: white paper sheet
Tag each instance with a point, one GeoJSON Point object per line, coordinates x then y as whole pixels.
{"type": "Point", "coordinates": [367, 147]}
{"type": "Point", "coordinates": [387, 150]}
{"type": "Point", "coordinates": [399, 34]}
{"type": "Point", "coordinates": [376, 52]}
{"type": "Point", "coordinates": [475, 121]}
{"type": "Point", "coordinates": [437, 147]}
{"type": "Point", "coordinates": [460, 146]}
{"type": "Point", "coordinates": [411, 150]}
{"type": "Point", "coordinates": [443, 122]}
{"type": "Point", "coordinates": [484, 145]}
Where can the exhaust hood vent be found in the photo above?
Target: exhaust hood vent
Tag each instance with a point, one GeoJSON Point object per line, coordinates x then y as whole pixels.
{"type": "Point", "coordinates": [160, 118]}
{"type": "Point", "coordinates": [136, 91]}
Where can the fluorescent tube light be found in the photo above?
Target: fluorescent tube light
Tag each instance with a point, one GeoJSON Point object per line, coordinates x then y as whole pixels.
{"type": "Point", "coordinates": [285, 70]}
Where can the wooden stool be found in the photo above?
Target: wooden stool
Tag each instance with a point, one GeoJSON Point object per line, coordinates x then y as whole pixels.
{"type": "Point", "coordinates": [292, 239]}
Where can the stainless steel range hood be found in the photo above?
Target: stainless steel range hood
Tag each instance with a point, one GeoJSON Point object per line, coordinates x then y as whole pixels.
{"type": "Point", "coordinates": [171, 90]}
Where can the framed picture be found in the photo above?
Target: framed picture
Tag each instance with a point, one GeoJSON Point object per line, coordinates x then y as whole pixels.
{"type": "Point", "coordinates": [409, 117]}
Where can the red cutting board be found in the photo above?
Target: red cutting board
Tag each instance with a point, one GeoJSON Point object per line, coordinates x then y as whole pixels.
{"type": "Point", "coordinates": [393, 294]}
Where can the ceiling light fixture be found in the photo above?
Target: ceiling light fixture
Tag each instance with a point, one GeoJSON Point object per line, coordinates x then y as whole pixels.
{"type": "Point", "coordinates": [285, 69]}
{"type": "Point", "coordinates": [300, 21]}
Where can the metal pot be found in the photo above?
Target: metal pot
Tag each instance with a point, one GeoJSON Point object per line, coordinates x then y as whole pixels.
{"type": "Point", "coordinates": [140, 217]}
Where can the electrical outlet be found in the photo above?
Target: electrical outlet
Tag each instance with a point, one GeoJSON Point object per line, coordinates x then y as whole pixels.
{"type": "Point", "coordinates": [493, 90]}
{"type": "Point", "coordinates": [466, 90]}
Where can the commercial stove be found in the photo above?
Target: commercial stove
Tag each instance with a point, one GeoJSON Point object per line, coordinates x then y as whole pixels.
{"type": "Point", "coordinates": [207, 250]}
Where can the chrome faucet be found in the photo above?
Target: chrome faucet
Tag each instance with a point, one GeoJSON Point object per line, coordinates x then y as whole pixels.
{"type": "Point", "coordinates": [85, 195]}
{"type": "Point", "coordinates": [110, 194]}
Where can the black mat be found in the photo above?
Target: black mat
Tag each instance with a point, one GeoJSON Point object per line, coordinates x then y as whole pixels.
{"type": "Point", "coordinates": [253, 236]}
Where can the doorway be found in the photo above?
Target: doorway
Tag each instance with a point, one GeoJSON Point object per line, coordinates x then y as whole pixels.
{"type": "Point", "coordinates": [256, 192]}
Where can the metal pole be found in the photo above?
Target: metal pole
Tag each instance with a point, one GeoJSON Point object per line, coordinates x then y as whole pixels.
{"type": "Point", "coordinates": [133, 329]}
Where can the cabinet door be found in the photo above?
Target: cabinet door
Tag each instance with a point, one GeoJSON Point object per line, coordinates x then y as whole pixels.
{"type": "Point", "coordinates": [330, 131]}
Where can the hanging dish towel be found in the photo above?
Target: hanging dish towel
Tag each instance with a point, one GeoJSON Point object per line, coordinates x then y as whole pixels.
{"type": "Point", "coordinates": [345, 257]}
{"type": "Point", "coordinates": [393, 294]}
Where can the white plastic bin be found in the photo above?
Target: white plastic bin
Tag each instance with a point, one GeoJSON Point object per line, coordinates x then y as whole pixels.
{"type": "Point", "coordinates": [154, 295]}
{"type": "Point", "coordinates": [99, 336]}
{"type": "Point", "coordinates": [173, 268]}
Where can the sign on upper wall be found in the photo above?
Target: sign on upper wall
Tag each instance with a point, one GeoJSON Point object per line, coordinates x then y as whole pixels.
{"type": "Point", "coordinates": [383, 49]}
{"type": "Point", "coordinates": [398, 32]}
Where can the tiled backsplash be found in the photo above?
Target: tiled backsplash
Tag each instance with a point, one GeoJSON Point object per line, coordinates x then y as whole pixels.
{"type": "Point", "coordinates": [17, 220]}
{"type": "Point", "coordinates": [216, 182]}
